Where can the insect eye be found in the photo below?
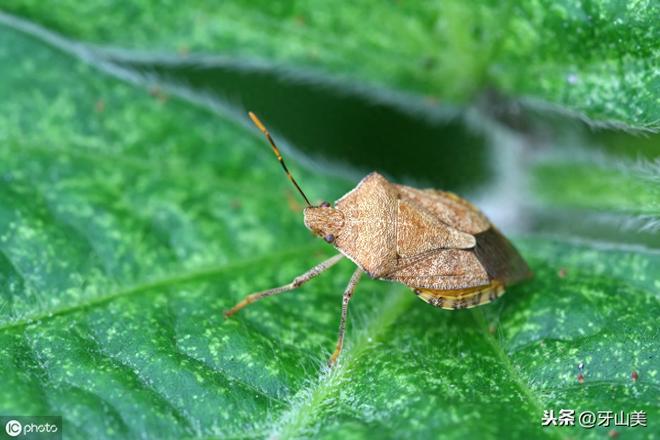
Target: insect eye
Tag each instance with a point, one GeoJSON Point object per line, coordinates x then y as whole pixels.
{"type": "Point", "coordinates": [329, 238]}
{"type": "Point", "coordinates": [325, 205]}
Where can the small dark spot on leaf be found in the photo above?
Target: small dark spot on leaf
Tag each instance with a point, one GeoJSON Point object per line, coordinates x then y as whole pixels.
{"type": "Point", "coordinates": [428, 63]}
{"type": "Point", "coordinates": [634, 376]}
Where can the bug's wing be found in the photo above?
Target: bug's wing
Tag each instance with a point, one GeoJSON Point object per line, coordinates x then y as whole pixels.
{"type": "Point", "coordinates": [418, 232]}
{"type": "Point", "coordinates": [442, 269]}
{"type": "Point", "coordinates": [496, 254]}
{"type": "Point", "coordinates": [493, 259]}
{"type": "Point", "coordinates": [456, 276]}
{"type": "Point", "coordinates": [461, 299]}
{"type": "Point", "coordinates": [447, 207]}
{"type": "Point", "coordinates": [500, 259]}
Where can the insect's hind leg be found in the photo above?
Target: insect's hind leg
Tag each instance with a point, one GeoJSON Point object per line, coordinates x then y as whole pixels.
{"type": "Point", "coordinates": [297, 282]}
{"type": "Point", "coordinates": [348, 294]}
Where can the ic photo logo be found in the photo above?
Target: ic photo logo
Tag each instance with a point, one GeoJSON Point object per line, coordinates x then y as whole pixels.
{"type": "Point", "coordinates": [31, 427]}
{"type": "Point", "coordinates": [13, 428]}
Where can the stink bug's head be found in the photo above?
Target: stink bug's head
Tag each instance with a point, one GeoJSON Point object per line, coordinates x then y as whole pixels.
{"type": "Point", "coordinates": [324, 221]}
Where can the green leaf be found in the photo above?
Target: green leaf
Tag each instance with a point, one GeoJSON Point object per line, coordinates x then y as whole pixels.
{"type": "Point", "coordinates": [337, 126]}
{"type": "Point", "coordinates": [596, 58]}
{"type": "Point", "coordinates": [597, 193]}
{"type": "Point", "coordinates": [128, 222]}
{"type": "Point", "coordinates": [601, 187]}
{"type": "Point", "coordinates": [601, 184]}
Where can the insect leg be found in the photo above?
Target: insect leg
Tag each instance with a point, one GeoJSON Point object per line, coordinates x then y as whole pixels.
{"type": "Point", "coordinates": [297, 282]}
{"type": "Point", "coordinates": [348, 293]}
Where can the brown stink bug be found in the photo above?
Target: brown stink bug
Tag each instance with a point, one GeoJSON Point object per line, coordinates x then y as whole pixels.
{"type": "Point", "coordinates": [433, 241]}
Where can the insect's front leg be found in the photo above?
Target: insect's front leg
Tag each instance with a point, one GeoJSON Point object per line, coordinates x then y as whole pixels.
{"type": "Point", "coordinates": [348, 294]}
{"type": "Point", "coordinates": [297, 282]}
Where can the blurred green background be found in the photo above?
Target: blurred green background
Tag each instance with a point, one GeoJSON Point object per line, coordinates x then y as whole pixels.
{"type": "Point", "coordinates": [137, 203]}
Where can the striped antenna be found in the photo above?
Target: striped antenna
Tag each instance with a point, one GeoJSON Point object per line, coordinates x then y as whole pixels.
{"type": "Point", "coordinates": [276, 150]}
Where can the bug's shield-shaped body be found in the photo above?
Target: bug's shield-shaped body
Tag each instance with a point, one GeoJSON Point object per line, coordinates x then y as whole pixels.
{"type": "Point", "coordinates": [432, 241]}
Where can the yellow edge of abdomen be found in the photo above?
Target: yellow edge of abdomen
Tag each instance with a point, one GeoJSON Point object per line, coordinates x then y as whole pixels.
{"type": "Point", "coordinates": [462, 299]}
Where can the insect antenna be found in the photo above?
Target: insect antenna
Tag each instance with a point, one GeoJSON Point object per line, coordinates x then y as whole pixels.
{"type": "Point", "coordinates": [276, 150]}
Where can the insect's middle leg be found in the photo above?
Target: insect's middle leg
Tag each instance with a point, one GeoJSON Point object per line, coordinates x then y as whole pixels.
{"type": "Point", "coordinates": [348, 294]}
{"type": "Point", "coordinates": [297, 282]}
